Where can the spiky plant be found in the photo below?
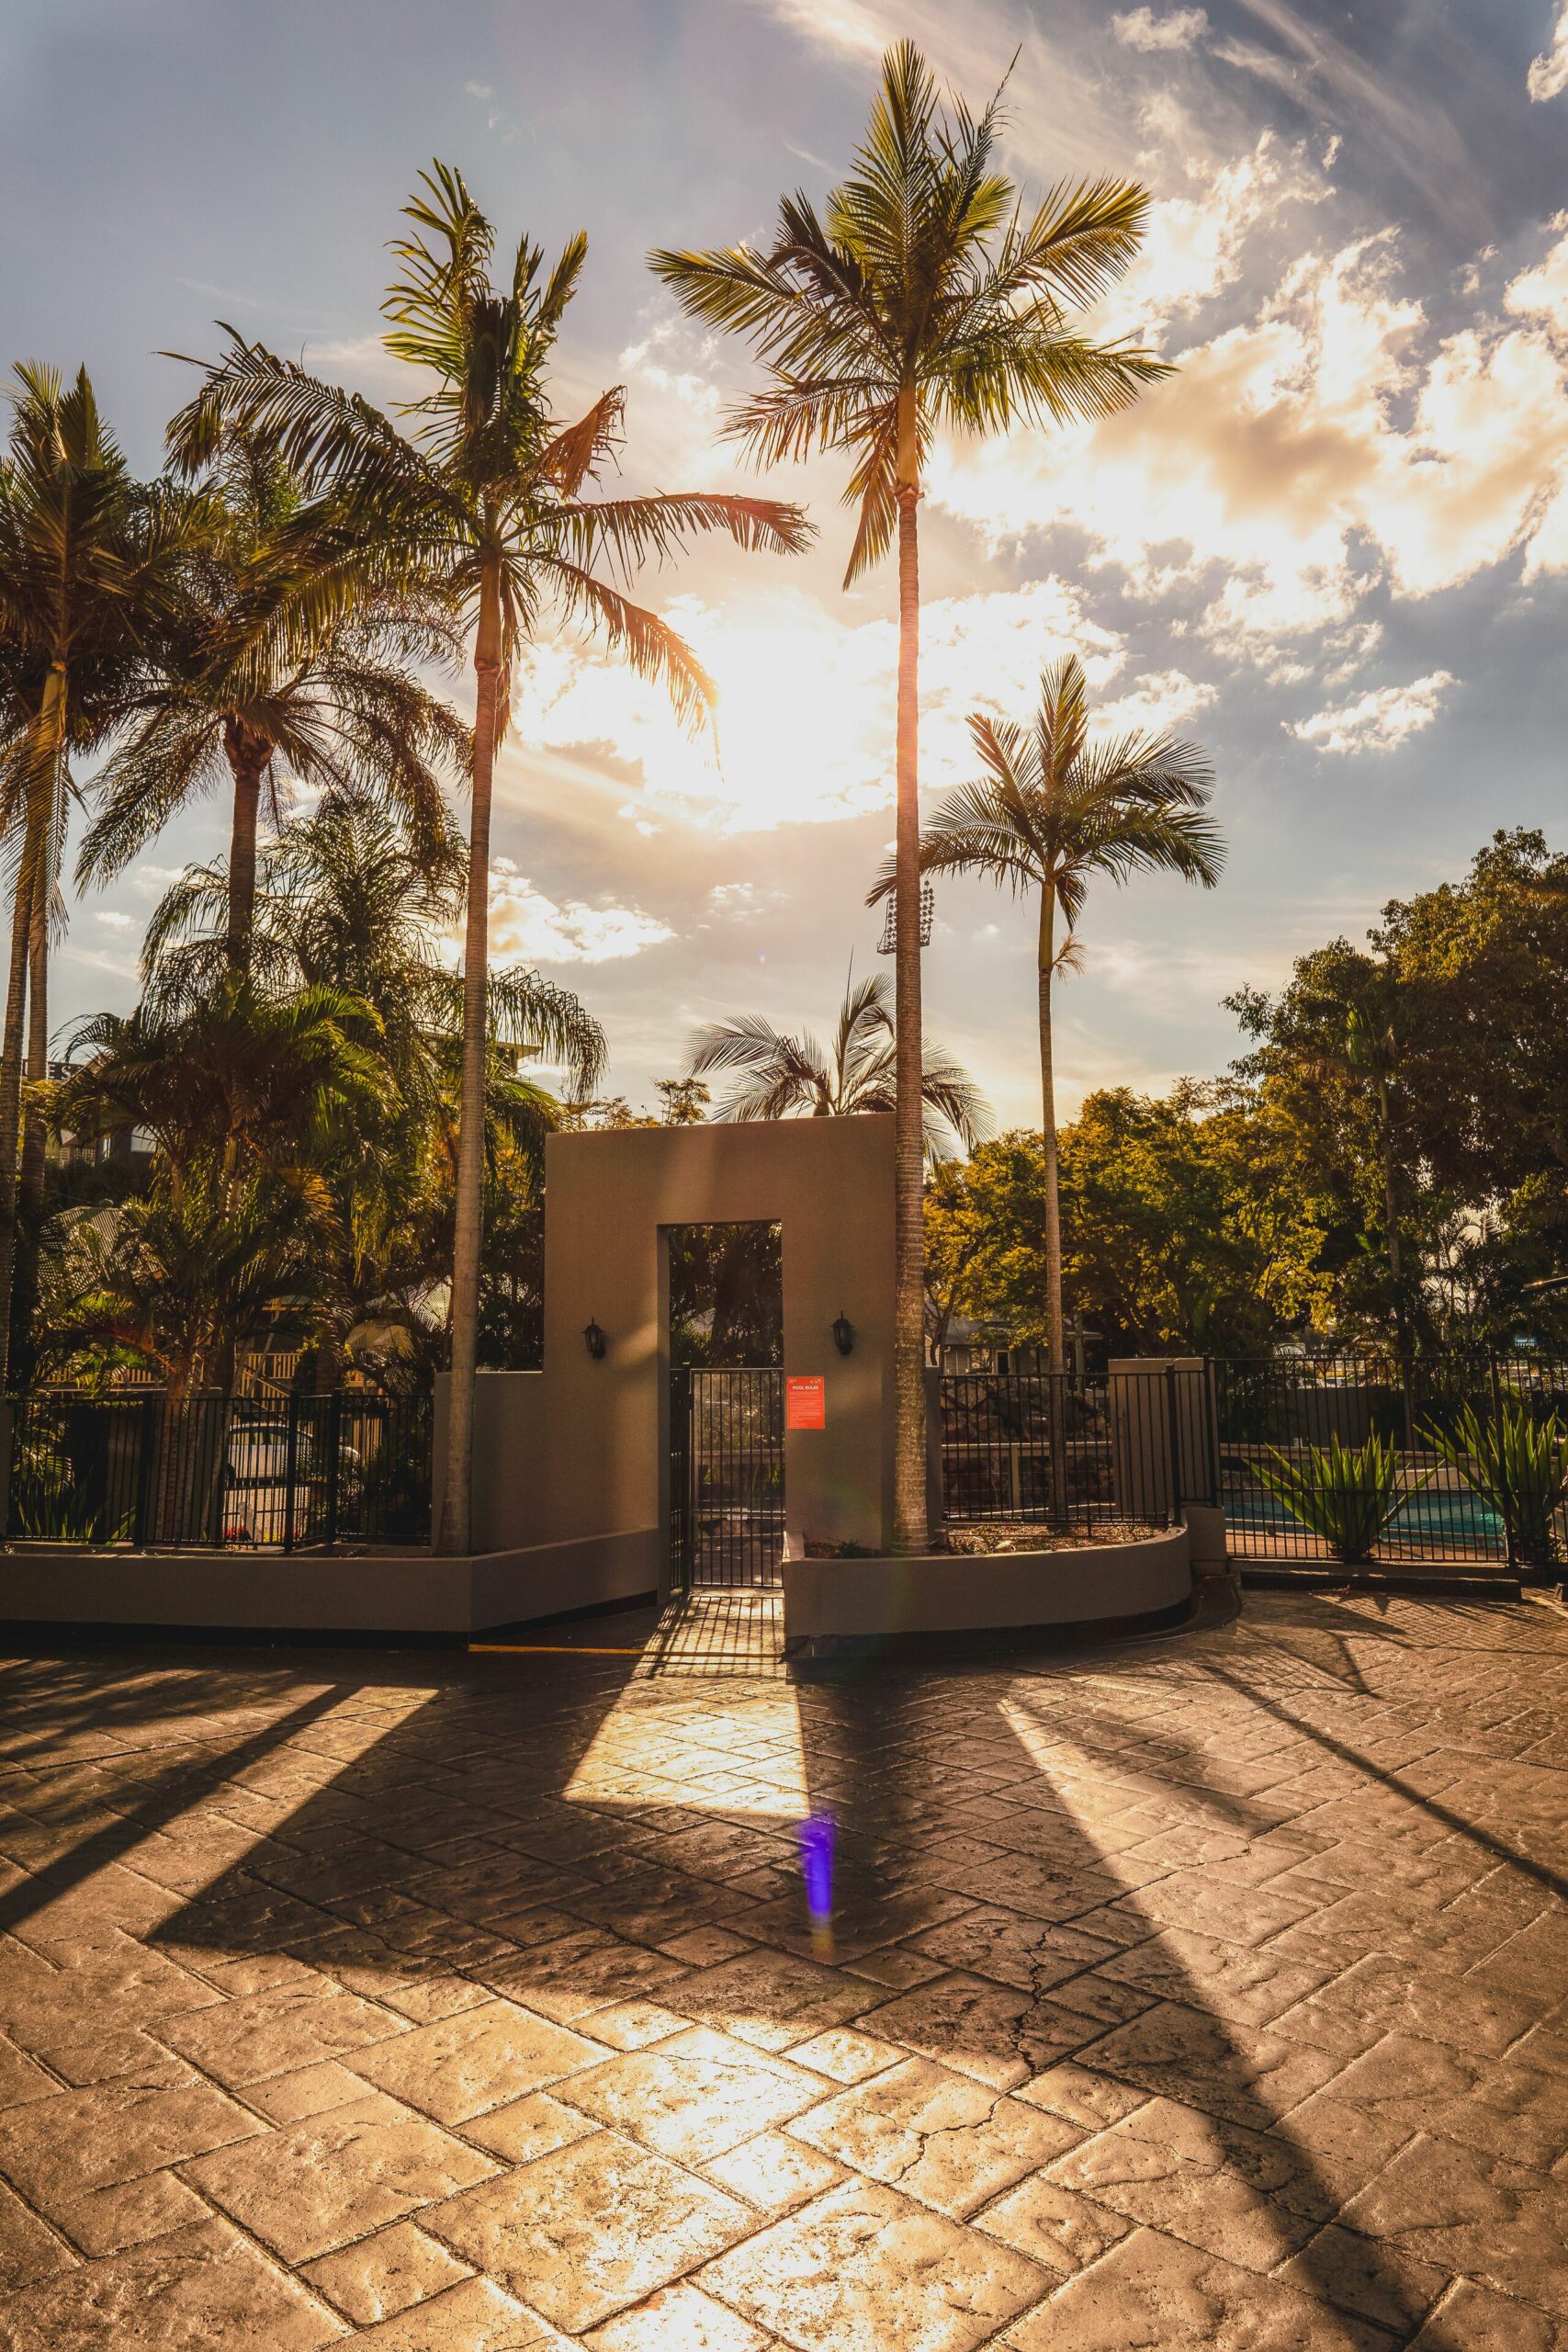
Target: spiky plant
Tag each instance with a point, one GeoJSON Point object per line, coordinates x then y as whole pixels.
{"type": "Point", "coordinates": [1518, 1465]}
{"type": "Point", "coordinates": [1346, 1493]}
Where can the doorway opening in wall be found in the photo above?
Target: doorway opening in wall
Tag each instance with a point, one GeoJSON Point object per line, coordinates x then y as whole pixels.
{"type": "Point", "coordinates": [727, 1488]}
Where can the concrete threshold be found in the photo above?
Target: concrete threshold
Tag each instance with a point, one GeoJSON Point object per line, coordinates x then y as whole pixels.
{"type": "Point", "coordinates": [1437, 1582]}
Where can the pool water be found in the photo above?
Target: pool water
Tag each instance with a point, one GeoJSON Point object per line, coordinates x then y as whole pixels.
{"type": "Point", "coordinates": [1425, 1518]}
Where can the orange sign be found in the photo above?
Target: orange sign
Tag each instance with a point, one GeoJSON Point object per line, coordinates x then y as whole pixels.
{"type": "Point", "coordinates": [806, 1404]}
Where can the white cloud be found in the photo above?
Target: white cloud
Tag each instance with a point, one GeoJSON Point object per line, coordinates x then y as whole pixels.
{"type": "Point", "coordinates": [1549, 73]}
{"type": "Point", "coordinates": [1378, 721]}
{"type": "Point", "coordinates": [535, 929]}
{"type": "Point", "coordinates": [1165, 699]}
{"type": "Point", "coordinates": [111, 919]}
{"type": "Point", "coordinates": [1296, 461]}
{"type": "Point", "coordinates": [1177, 28]}
{"type": "Point", "coordinates": [1543, 292]}
{"type": "Point", "coordinates": [805, 724]}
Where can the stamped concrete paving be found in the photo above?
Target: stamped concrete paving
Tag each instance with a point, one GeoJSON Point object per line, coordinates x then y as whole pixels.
{"type": "Point", "coordinates": [1207, 1992]}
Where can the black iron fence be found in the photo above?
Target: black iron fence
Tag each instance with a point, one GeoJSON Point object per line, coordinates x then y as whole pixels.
{"type": "Point", "coordinates": [1070, 1453]}
{"type": "Point", "coordinates": [1445, 1425]}
{"type": "Point", "coordinates": [223, 1473]}
{"type": "Point", "coordinates": [727, 1483]}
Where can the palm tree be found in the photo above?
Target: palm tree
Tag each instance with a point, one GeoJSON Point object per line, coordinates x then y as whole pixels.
{"type": "Point", "coordinates": [924, 299]}
{"type": "Point", "coordinates": [261, 677]}
{"type": "Point", "coordinates": [350, 901]}
{"type": "Point", "coordinates": [1051, 811]}
{"type": "Point", "coordinates": [486, 497]}
{"type": "Point", "coordinates": [781, 1077]}
{"type": "Point", "coordinates": [88, 562]}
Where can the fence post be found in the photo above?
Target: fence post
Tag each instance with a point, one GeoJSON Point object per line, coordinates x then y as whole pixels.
{"type": "Point", "coordinates": [290, 1470]}
{"type": "Point", "coordinates": [1173, 1434]}
{"type": "Point", "coordinates": [1511, 1549]}
{"type": "Point", "coordinates": [334, 1447]}
{"type": "Point", "coordinates": [147, 1465]}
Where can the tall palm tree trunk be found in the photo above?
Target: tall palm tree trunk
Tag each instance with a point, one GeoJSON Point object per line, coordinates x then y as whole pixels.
{"type": "Point", "coordinates": [468, 1233]}
{"type": "Point", "coordinates": [911, 1533]}
{"type": "Point", "coordinates": [247, 757]}
{"type": "Point", "coordinates": [1053, 1317]}
{"type": "Point", "coordinates": [38, 1037]}
{"type": "Point", "coordinates": [11, 1099]}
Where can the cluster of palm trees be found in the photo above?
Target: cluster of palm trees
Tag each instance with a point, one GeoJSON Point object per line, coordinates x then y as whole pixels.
{"type": "Point", "coordinates": [256, 620]}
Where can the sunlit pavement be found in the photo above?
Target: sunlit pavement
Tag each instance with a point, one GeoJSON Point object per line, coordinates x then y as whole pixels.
{"type": "Point", "coordinates": [1212, 1991]}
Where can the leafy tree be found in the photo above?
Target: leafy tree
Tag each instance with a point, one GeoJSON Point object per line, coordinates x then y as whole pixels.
{"type": "Point", "coordinates": [1052, 810]}
{"type": "Point", "coordinates": [780, 1077]}
{"type": "Point", "coordinates": [88, 561]}
{"type": "Point", "coordinates": [485, 499]}
{"type": "Point", "coordinates": [265, 673]}
{"type": "Point", "coordinates": [1184, 1226]}
{"type": "Point", "coordinates": [924, 300]}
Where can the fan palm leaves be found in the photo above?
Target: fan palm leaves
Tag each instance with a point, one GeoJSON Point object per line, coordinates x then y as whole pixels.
{"type": "Point", "coordinates": [491, 496]}
{"type": "Point", "coordinates": [260, 681]}
{"type": "Point", "coordinates": [923, 298]}
{"type": "Point", "coordinates": [782, 1076]}
{"type": "Point", "coordinates": [1053, 808]}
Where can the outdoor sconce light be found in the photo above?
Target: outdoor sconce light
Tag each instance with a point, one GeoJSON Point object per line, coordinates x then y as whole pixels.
{"type": "Point", "coordinates": [594, 1341]}
{"type": "Point", "coordinates": [843, 1334]}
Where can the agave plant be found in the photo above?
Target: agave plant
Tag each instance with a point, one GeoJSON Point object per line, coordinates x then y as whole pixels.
{"type": "Point", "coordinates": [1519, 1467]}
{"type": "Point", "coordinates": [1346, 1493]}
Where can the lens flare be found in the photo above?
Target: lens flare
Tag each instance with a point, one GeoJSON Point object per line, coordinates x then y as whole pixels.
{"type": "Point", "coordinates": [817, 1871]}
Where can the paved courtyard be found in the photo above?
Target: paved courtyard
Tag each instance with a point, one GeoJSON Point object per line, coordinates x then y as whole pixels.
{"type": "Point", "coordinates": [1211, 1991]}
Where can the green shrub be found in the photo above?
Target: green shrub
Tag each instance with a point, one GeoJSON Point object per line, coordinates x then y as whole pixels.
{"type": "Point", "coordinates": [1517, 1465]}
{"type": "Point", "coordinates": [1346, 1493]}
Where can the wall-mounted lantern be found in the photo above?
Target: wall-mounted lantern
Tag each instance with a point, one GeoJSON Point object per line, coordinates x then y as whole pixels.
{"type": "Point", "coordinates": [843, 1334]}
{"type": "Point", "coordinates": [593, 1339]}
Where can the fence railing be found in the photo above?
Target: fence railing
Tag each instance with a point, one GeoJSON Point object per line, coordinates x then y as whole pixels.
{"type": "Point", "coordinates": [289, 1475]}
{"type": "Point", "coordinates": [1291, 1407]}
{"type": "Point", "coordinates": [1072, 1453]}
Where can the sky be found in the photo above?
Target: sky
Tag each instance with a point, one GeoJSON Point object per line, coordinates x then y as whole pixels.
{"type": "Point", "coordinates": [1332, 548]}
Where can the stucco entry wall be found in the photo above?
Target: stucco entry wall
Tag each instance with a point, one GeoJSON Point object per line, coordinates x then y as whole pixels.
{"type": "Point", "coordinates": [595, 1434]}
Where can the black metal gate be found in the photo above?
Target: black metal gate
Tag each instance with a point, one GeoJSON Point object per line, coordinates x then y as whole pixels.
{"type": "Point", "coordinates": [727, 1485]}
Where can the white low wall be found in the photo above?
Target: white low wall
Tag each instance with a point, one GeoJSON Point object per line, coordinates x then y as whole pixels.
{"type": "Point", "coordinates": [377, 1593]}
{"type": "Point", "coordinates": [947, 1593]}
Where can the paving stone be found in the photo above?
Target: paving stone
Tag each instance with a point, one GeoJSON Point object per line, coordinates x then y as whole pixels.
{"type": "Point", "coordinates": [1473, 2213]}
{"type": "Point", "coordinates": [477, 2059]}
{"type": "Point", "coordinates": [589, 2230]}
{"type": "Point", "coordinates": [385, 2273]}
{"type": "Point", "coordinates": [939, 2136]}
{"type": "Point", "coordinates": [772, 1998]}
{"type": "Point", "coordinates": [110, 2219]}
{"type": "Point", "coordinates": [475, 2316]}
{"type": "Point", "coordinates": [1151, 2294]}
{"type": "Point", "coordinates": [277, 2032]}
{"type": "Point", "coordinates": [863, 2266]}
{"type": "Point", "coordinates": [1052, 2225]}
{"type": "Point", "coordinates": [1472, 2319]}
{"type": "Point", "coordinates": [28, 2249]}
{"type": "Point", "coordinates": [694, 2097]}
{"type": "Point", "coordinates": [1252, 2075]}
{"type": "Point", "coordinates": [678, 2319]}
{"type": "Point", "coordinates": [774, 2172]}
{"type": "Point", "coordinates": [190, 2291]}
{"type": "Point", "coordinates": [1232, 1913]}
{"type": "Point", "coordinates": [322, 2182]}
{"type": "Point", "coordinates": [56, 2149]}
{"type": "Point", "coordinates": [1353, 2272]}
